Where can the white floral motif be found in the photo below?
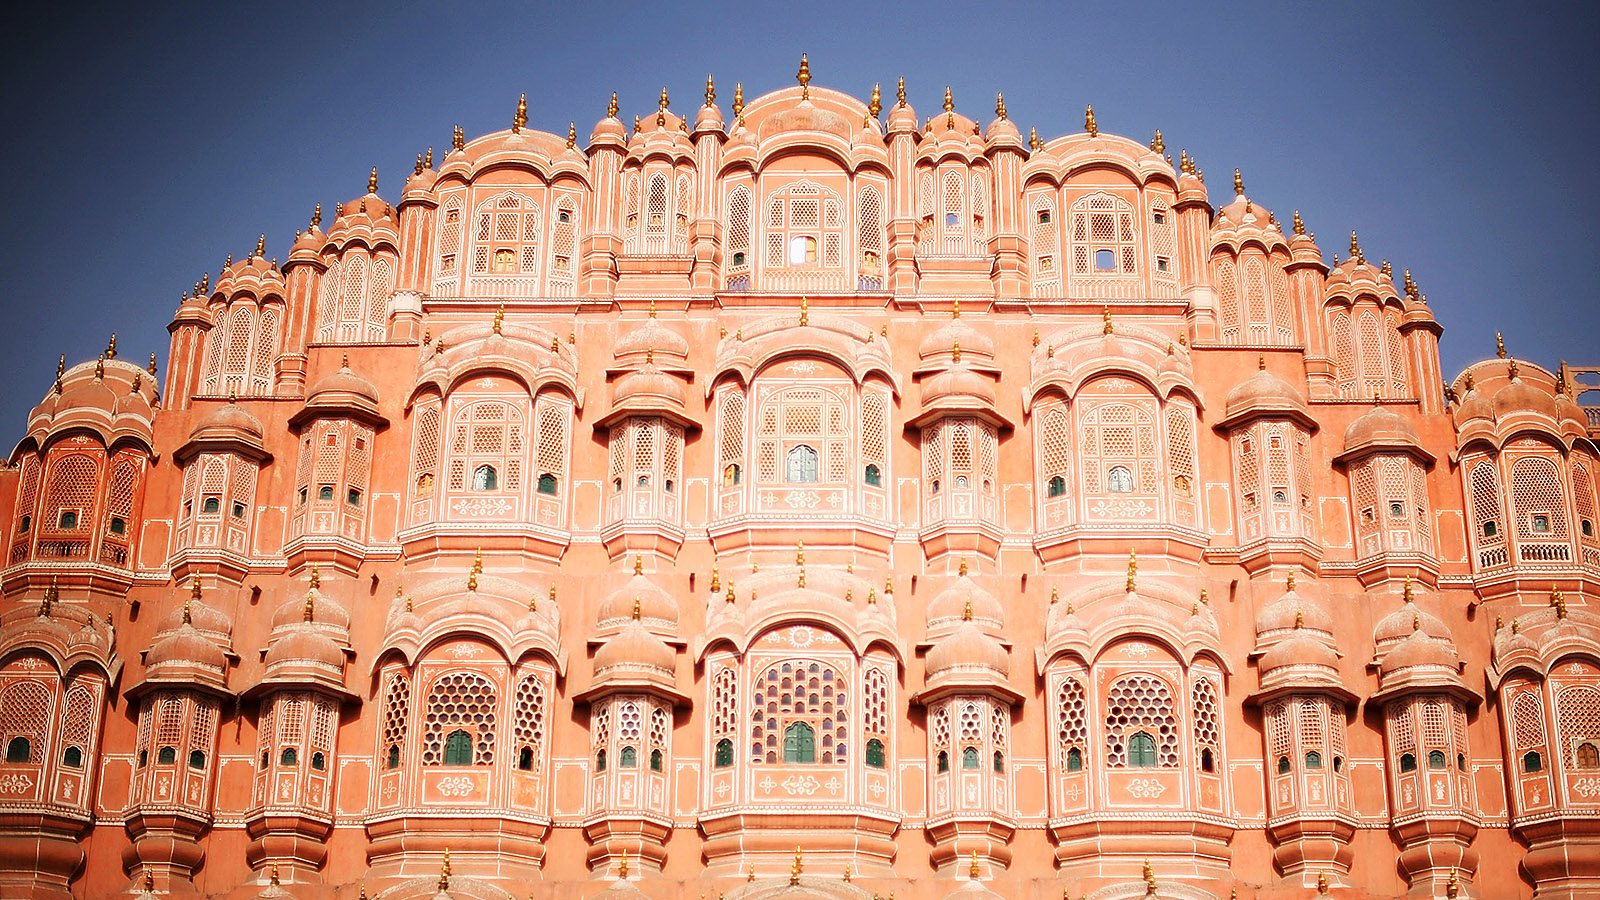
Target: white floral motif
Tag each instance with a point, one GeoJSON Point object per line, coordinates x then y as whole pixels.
{"type": "Point", "coordinates": [15, 783]}
{"type": "Point", "coordinates": [1122, 509]}
{"type": "Point", "coordinates": [1587, 787]}
{"type": "Point", "coordinates": [767, 784]}
{"type": "Point", "coordinates": [802, 499]}
{"type": "Point", "coordinates": [1146, 788]}
{"type": "Point", "coordinates": [463, 651]}
{"type": "Point", "coordinates": [481, 506]}
{"type": "Point", "coordinates": [455, 787]}
{"type": "Point", "coordinates": [803, 367]}
{"type": "Point", "coordinates": [834, 784]}
{"type": "Point", "coordinates": [802, 636]}
{"type": "Point", "coordinates": [798, 784]}
{"type": "Point", "coordinates": [722, 790]}
{"type": "Point", "coordinates": [876, 789]}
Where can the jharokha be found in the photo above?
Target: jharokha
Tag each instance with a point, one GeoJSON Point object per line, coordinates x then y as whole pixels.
{"type": "Point", "coordinates": [815, 502]}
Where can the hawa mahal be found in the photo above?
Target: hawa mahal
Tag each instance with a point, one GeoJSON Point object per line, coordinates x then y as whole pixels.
{"type": "Point", "coordinates": [815, 502]}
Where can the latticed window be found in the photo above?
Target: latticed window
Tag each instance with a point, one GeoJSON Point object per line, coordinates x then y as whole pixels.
{"type": "Point", "coordinates": [1207, 731]}
{"type": "Point", "coordinates": [1536, 495]}
{"type": "Point", "coordinates": [1140, 705]}
{"type": "Point", "coordinates": [1369, 358]}
{"type": "Point", "coordinates": [1055, 459]}
{"type": "Point", "coordinates": [353, 298]}
{"type": "Point", "coordinates": [724, 712]}
{"type": "Point", "coordinates": [528, 724]}
{"type": "Point", "coordinates": [1103, 241]}
{"type": "Point", "coordinates": [870, 266]}
{"type": "Point", "coordinates": [69, 507]}
{"type": "Point", "coordinates": [1118, 452]}
{"type": "Point", "coordinates": [875, 715]}
{"type": "Point", "coordinates": [799, 713]}
{"type": "Point", "coordinates": [1072, 724]}
{"type": "Point", "coordinates": [25, 720]}
{"type": "Point", "coordinates": [1578, 719]}
{"type": "Point", "coordinates": [505, 235]}
{"type": "Point", "coordinates": [1046, 246]}
{"type": "Point", "coordinates": [1253, 295]}
{"type": "Point", "coordinates": [737, 269]}
{"type": "Point", "coordinates": [487, 446]}
{"type": "Point", "coordinates": [804, 227]}
{"type": "Point", "coordinates": [447, 266]}
{"type": "Point", "coordinates": [460, 703]}
{"type": "Point", "coordinates": [808, 428]}
{"type": "Point", "coordinates": [563, 247]}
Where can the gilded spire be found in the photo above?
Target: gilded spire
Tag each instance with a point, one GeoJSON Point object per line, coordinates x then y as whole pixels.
{"type": "Point", "coordinates": [458, 138]}
{"type": "Point", "coordinates": [1499, 345]}
{"type": "Point", "coordinates": [61, 366]}
{"type": "Point", "coordinates": [876, 105]}
{"type": "Point", "coordinates": [444, 871]}
{"type": "Point", "coordinates": [611, 108]}
{"type": "Point", "coordinates": [1452, 888]}
{"type": "Point", "coordinates": [499, 318]}
{"type": "Point", "coordinates": [804, 310]}
{"type": "Point", "coordinates": [1238, 183]}
{"type": "Point", "coordinates": [1299, 224]}
{"type": "Point", "coordinates": [622, 866]}
{"type": "Point", "coordinates": [372, 181]}
{"type": "Point", "coordinates": [418, 169]}
{"type": "Point", "coordinates": [955, 351]}
{"type": "Point", "coordinates": [730, 596]}
{"type": "Point", "coordinates": [1088, 121]}
{"type": "Point", "coordinates": [521, 118]}
{"type": "Point", "coordinates": [966, 611]}
{"type": "Point", "coordinates": [1158, 144]}
{"type": "Point", "coordinates": [973, 871]}
{"type": "Point", "coordinates": [1033, 138]}
{"type": "Point", "coordinates": [51, 593]}
{"type": "Point", "coordinates": [316, 217]}
{"type": "Point", "coordinates": [738, 98]}
{"type": "Point", "coordinates": [711, 90]}
{"type": "Point", "coordinates": [100, 368]}
{"type": "Point", "coordinates": [1184, 163]}
{"type": "Point", "coordinates": [1288, 583]}
{"type": "Point", "coordinates": [316, 577]}
{"type": "Point", "coordinates": [1133, 570]}
{"type": "Point", "coordinates": [1511, 368]}
{"type": "Point", "coordinates": [1105, 314]}
{"type": "Point", "coordinates": [949, 101]}
{"type": "Point", "coordinates": [572, 135]}
{"type": "Point", "coordinates": [1322, 883]}
{"type": "Point", "coordinates": [1355, 246]}
{"type": "Point", "coordinates": [273, 877]}
{"type": "Point", "coordinates": [152, 369]}
{"type": "Point", "coordinates": [638, 564]}
{"type": "Point", "coordinates": [900, 92]}
{"type": "Point", "coordinates": [637, 126]}
{"type": "Point", "coordinates": [796, 867]}
{"type": "Point", "coordinates": [888, 585]}
{"type": "Point", "coordinates": [804, 77]}
{"type": "Point", "coordinates": [1149, 879]}
{"type": "Point", "coordinates": [427, 161]}
{"type": "Point", "coordinates": [1405, 593]}
{"type": "Point", "coordinates": [716, 579]}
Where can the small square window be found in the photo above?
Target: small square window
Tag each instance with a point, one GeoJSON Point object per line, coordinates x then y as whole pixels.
{"type": "Point", "coordinates": [211, 505]}
{"type": "Point", "coordinates": [1397, 511]}
{"type": "Point", "coordinates": [1044, 217]}
{"type": "Point", "coordinates": [238, 510]}
{"type": "Point", "coordinates": [361, 443]}
{"type": "Point", "coordinates": [333, 440]}
{"type": "Point", "coordinates": [325, 492]}
{"type": "Point", "coordinates": [1160, 218]}
{"type": "Point", "coordinates": [1540, 523]}
{"type": "Point", "coordinates": [353, 497]}
{"type": "Point", "coordinates": [1105, 261]}
{"type": "Point", "coordinates": [1163, 264]}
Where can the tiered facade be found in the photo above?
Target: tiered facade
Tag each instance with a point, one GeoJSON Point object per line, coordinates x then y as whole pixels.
{"type": "Point", "coordinates": [820, 501]}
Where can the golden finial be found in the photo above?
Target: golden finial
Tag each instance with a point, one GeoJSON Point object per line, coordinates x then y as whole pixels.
{"type": "Point", "coordinates": [1322, 883]}
{"type": "Point", "coordinates": [138, 381]}
{"type": "Point", "coordinates": [372, 181]}
{"type": "Point", "coordinates": [955, 351]}
{"type": "Point", "coordinates": [111, 348]}
{"type": "Point", "coordinates": [1238, 183]}
{"type": "Point", "coordinates": [1558, 601]}
{"type": "Point", "coordinates": [205, 279]}
{"type": "Point", "coordinates": [1133, 569]}
{"type": "Point", "coordinates": [846, 873]}
{"type": "Point", "coordinates": [1261, 363]}
{"type": "Point", "coordinates": [804, 310]}
{"type": "Point", "coordinates": [555, 344]}
{"type": "Point", "coordinates": [152, 368]}
{"type": "Point", "coordinates": [1105, 314]}
{"type": "Point", "coordinates": [611, 108]}
{"type": "Point", "coordinates": [872, 597]}
{"type": "Point", "coordinates": [100, 367]}
{"type": "Point", "coordinates": [1049, 351]}
{"type": "Point", "coordinates": [1386, 269]}
{"type": "Point", "coordinates": [458, 138]}
{"type": "Point", "coordinates": [1088, 121]}
{"type": "Point", "coordinates": [1033, 138]}
{"type": "Point", "coordinates": [1055, 594]}
{"type": "Point", "coordinates": [521, 118]}
{"type": "Point", "coordinates": [1452, 887]}
{"type": "Point", "coordinates": [1405, 592]}
{"type": "Point", "coordinates": [572, 135]}
{"type": "Point", "coordinates": [444, 871]}
{"type": "Point", "coordinates": [966, 611]}
{"type": "Point", "coordinates": [1299, 619]}
{"type": "Point", "coordinates": [876, 105]}
{"type": "Point", "coordinates": [888, 585]}
{"type": "Point", "coordinates": [273, 877]}
{"type": "Point", "coordinates": [552, 592]}
{"type": "Point", "coordinates": [1514, 625]}
{"type": "Point", "coordinates": [716, 579]}
{"type": "Point", "coordinates": [499, 318]}
{"type": "Point", "coordinates": [1149, 879]}
{"type": "Point", "coordinates": [1499, 623]}
{"type": "Point", "coordinates": [50, 594]}
{"type": "Point", "coordinates": [900, 92]}
{"type": "Point", "coordinates": [622, 867]}
{"type": "Point", "coordinates": [730, 596]}
{"type": "Point", "coordinates": [962, 571]}
{"type": "Point", "coordinates": [1183, 160]}
{"type": "Point", "coordinates": [1299, 224]}
{"type": "Point", "coordinates": [472, 580]}
{"type": "Point", "coordinates": [187, 617]}
{"type": "Point", "coordinates": [804, 77]}
{"type": "Point", "coordinates": [751, 874]}
{"type": "Point", "coordinates": [1355, 246]}
{"type": "Point", "coordinates": [973, 871]}
{"type": "Point", "coordinates": [638, 564]}
{"type": "Point", "coordinates": [1158, 145]}
{"type": "Point", "coordinates": [1499, 345]}
{"type": "Point", "coordinates": [61, 366]}
{"type": "Point", "coordinates": [149, 881]}
{"type": "Point", "coordinates": [798, 864]}
{"type": "Point", "coordinates": [427, 161]}
{"type": "Point", "coordinates": [662, 102]}
{"type": "Point", "coordinates": [949, 100]}
{"type": "Point", "coordinates": [738, 99]}
{"type": "Point", "coordinates": [1511, 368]}
{"type": "Point", "coordinates": [711, 91]}
{"type": "Point", "coordinates": [418, 169]}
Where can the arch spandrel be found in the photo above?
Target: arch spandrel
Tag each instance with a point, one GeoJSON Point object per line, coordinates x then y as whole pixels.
{"type": "Point", "coordinates": [1075, 357]}
{"type": "Point", "coordinates": [1104, 614]}
{"type": "Point", "coordinates": [496, 612]}
{"type": "Point", "coordinates": [755, 348]}
{"type": "Point", "coordinates": [523, 353]}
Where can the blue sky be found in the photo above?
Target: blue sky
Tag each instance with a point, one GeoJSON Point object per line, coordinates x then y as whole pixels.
{"type": "Point", "coordinates": [146, 144]}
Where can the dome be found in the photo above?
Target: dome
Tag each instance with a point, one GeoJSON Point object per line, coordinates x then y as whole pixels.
{"type": "Point", "coordinates": [206, 618]}
{"type": "Point", "coordinates": [1302, 649]}
{"type": "Point", "coordinates": [229, 420]}
{"type": "Point", "coordinates": [186, 645]}
{"type": "Point", "coordinates": [1419, 649]}
{"type": "Point", "coordinates": [1380, 426]}
{"type": "Point", "coordinates": [634, 647]}
{"type": "Point", "coordinates": [955, 333]}
{"type": "Point", "coordinates": [1293, 612]}
{"type": "Point", "coordinates": [1520, 396]}
{"type": "Point", "coordinates": [651, 336]}
{"type": "Point", "coordinates": [648, 383]}
{"type": "Point", "coordinates": [91, 393]}
{"type": "Point", "coordinates": [324, 611]}
{"type": "Point", "coordinates": [345, 382]}
{"type": "Point", "coordinates": [1473, 404]}
{"type": "Point", "coordinates": [1265, 392]}
{"type": "Point", "coordinates": [968, 647]}
{"type": "Point", "coordinates": [950, 606]}
{"type": "Point", "coordinates": [958, 381]}
{"type": "Point", "coordinates": [656, 606]}
{"type": "Point", "coordinates": [806, 116]}
{"type": "Point", "coordinates": [1400, 624]}
{"type": "Point", "coordinates": [305, 644]}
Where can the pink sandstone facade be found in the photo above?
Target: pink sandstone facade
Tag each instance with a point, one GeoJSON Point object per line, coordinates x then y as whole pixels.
{"type": "Point", "coordinates": [821, 501]}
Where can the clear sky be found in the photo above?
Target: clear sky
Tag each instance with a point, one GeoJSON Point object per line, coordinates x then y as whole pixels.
{"type": "Point", "coordinates": [147, 142]}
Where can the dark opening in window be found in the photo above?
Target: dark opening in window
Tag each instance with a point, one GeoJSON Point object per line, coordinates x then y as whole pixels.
{"type": "Point", "coordinates": [629, 758]}
{"type": "Point", "coordinates": [944, 761]}
{"type": "Point", "coordinates": [238, 510]}
{"type": "Point", "coordinates": [873, 476]}
{"type": "Point", "coordinates": [730, 475]}
{"type": "Point", "coordinates": [1408, 762]}
{"type": "Point", "coordinates": [325, 492]}
{"type": "Point", "coordinates": [525, 759]}
{"type": "Point", "coordinates": [1142, 751]}
{"type": "Point", "coordinates": [1105, 261]}
{"type": "Point", "coordinates": [485, 478]}
{"type": "Point", "coordinates": [1490, 528]}
{"type": "Point", "coordinates": [875, 753]}
{"type": "Point", "coordinates": [119, 525]}
{"type": "Point", "coordinates": [458, 748]}
{"type": "Point", "coordinates": [288, 757]}
{"type": "Point", "coordinates": [655, 760]}
{"type": "Point", "coordinates": [799, 744]}
{"type": "Point", "coordinates": [1074, 760]}
{"type": "Point", "coordinates": [166, 756]}
{"type": "Point", "coordinates": [600, 761]}
{"type": "Point", "coordinates": [1531, 762]}
{"type": "Point", "coordinates": [197, 759]}
{"type": "Point", "coordinates": [1207, 762]}
{"type": "Point", "coordinates": [1057, 486]}
{"type": "Point", "coordinates": [18, 750]}
{"type": "Point", "coordinates": [1541, 523]}
{"type": "Point", "coordinates": [1436, 759]}
{"type": "Point", "coordinates": [394, 756]}
{"type": "Point", "coordinates": [353, 497]}
{"type": "Point", "coordinates": [724, 756]}
{"type": "Point", "coordinates": [1044, 217]}
{"type": "Point", "coordinates": [1397, 511]}
{"type": "Point", "coordinates": [547, 484]}
{"type": "Point", "coordinates": [969, 758]}
{"type": "Point", "coordinates": [999, 763]}
{"type": "Point", "coordinates": [1313, 760]}
{"type": "Point", "coordinates": [738, 258]}
{"type": "Point", "coordinates": [1283, 764]}
{"type": "Point", "coordinates": [27, 522]}
{"type": "Point", "coordinates": [72, 758]}
{"type": "Point", "coordinates": [208, 505]}
{"type": "Point", "coordinates": [318, 761]}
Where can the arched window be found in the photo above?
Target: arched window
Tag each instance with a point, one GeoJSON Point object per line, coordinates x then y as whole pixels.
{"type": "Point", "coordinates": [1119, 480]}
{"type": "Point", "coordinates": [394, 756]}
{"type": "Point", "coordinates": [288, 757]}
{"type": "Point", "coordinates": [1283, 764]}
{"type": "Point", "coordinates": [72, 758]}
{"type": "Point", "coordinates": [318, 761]}
{"type": "Point", "coordinates": [655, 760]}
{"type": "Point", "coordinates": [1074, 760]}
{"type": "Point", "coordinates": [525, 759]}
{"type": "Point", "coordinates": [197, 759]}
{"type": "Point", "coordinates": [799, 744]}
{"type": "Point", "coordinates": [1313, 759]}
{"type": "Point", "coordinates": [1588, 755]}
{"type": "Point", "coordinates": [458, 748]}
{"type": "Point", "coordinates": [1207, 761]}
{"type": "Point", "coordinates": [1531, 762]}
{"type": "Point", "coordinates": [873, 476]}
{"type": "Point", "coordinates": [600, 761]}
{"type": "Point", "coordinates": [1436, 759]}
{"type": "Point", "coordinates": [629, 759]}
{"type": "Point", "coordinates": [875, 753]}
{"type": "Point", "coordinates": [724, 757]}
{"type": "Point", "coordinates": [484, 478]}
{"type": "Point", "coordinates": [1057, 487]}
{"type": "Point", "coordinates": [18, 750]}
{"type": "Point", "coordinates": [999, 763]}
{"type": "Point", "coordinates": [1142, 751]}
{"type": "Point", "coordinates": [944, 761]}
{"type": "Point", "coordinates": [1408, 762]}
{"type": "Point", "coordinates": [547, 484]}
{"type": "Point", "coordinates": [166, 756]}
{"type": "Point", "coordinates": [969, 758]}
{"type": "Point", "coordinates": [730, 475]}
{"type": "Point", "coordinates": [801, 465]}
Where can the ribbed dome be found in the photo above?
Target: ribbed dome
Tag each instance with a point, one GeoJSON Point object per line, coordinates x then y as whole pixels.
{"type": "Point", "coordinates": [230, 419]}
{"type": "Point", "coordinates": [345, 382]}
{"type": "Point", "coordinates": [1520, 396]}
{"type": "Point", "coordinates": [649, 383]}
{"type": "Point", "coordinates": [806, 116]}
{"type": "Point", "coordinates": [951, 605]}
{"type": "Point", "coordinates": [324, 611]}
{"type": "Point", "coordinates": [652, 335]}
{"type": "Point", "coordinates": [186, 645]}
{"type": "Point", "coordinates": [1303, 648]}
{"type": "Point", "coordinates": [1474, 405]}
{"type": "Point", "coordinates": [968, 647]}
{"type": "Point", "coordinates": [953, 333]}
{"type": "Point", "coordinates": [958, 381]}
{"type": "Point", "coordinates": [1418, 649]}
{"type": "Point", "coordinates": [634, 647]}
{"type": "Point", "coordinates": [1264, 392]}
{"type": "Point", "coordinates": [1283, 613]}
{"type": "Point", "coordinates": [1400, 624]}
{"type": "Point", "coordinates": [1380, 426]}
{"type": "Point", "coordinates": [206, 618]}
{"type": "Point", "coordinates": [91, 393]}
{"type": "Point", "coordinates": [304, 643]}
{"type": "Point", "coordinates": [656, 606]}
